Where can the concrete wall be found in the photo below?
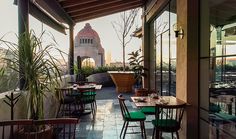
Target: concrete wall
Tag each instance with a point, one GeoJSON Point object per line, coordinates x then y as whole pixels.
{"type": "Point", "coordinates": [20, 110]}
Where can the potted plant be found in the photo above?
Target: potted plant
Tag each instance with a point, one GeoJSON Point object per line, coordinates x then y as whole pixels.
{"type": "Point", "coordinates": [40, 71]}
{"type": "Point", "coordinates": [135, 61]}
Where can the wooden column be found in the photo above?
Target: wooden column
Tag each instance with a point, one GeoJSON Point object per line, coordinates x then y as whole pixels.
{"type": "Point", "coordinates": [23, 26]}
{"type": "Point", "coordinates": [146, 50]}
{"type": "Point", "coordinates": [187, 65]}
{"type": "Point", "coordinates": [71, 51]}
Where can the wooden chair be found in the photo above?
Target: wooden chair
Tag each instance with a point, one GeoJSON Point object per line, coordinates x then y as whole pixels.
{"type": "Point", "coordinates": [58, 128]}
{"type": "Point", "coordinates": [133, 116]}
{"type": "Point", "coordinates": [88, 96]}
{"type": "Point", "coordinates": [66, 101]}
{"type": "Point", "coordinates": [167, 119]}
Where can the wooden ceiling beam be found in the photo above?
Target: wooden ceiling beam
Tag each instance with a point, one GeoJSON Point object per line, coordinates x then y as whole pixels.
{"type": "Point", "coordinates": [102, 9]}
{"type": "Point", "coordinates": [95, 4]}
{"type": "Point", "coordinates": [71, 3]}
{"type": "Point", "coordinates": [55, 9]}
{"type": "Point", "coordinates": [104, 13]}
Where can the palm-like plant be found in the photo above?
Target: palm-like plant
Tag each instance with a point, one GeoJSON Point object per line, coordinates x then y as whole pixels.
{"type": "Point", "coordinates": [39, 67]}
{"type": "Point", "coordinates": [135, 61]}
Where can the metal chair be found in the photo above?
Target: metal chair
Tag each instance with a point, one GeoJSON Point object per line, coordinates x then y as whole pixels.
{"type": "Point", "coordinates": [133, 116]}
{"type": "Point", "coordinates": [66, 100]}
{"type": "Point", "coordinates": [167, 119]}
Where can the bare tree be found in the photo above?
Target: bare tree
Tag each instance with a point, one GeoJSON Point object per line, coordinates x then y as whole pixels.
{"type": "Point", "coordinates": [123, 27]}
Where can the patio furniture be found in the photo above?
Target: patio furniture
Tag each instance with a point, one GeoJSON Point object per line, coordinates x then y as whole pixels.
{"type": "Point", "coordinates": [133, 116]}
{"type": "Point", "coordinates": [66, 101]}
{"type": "Point", "coordinates": [168, 119]}
{"type": "Point", "coordinates": [63, 128]}
{"type": "Point", "coordinates": [87, 96]}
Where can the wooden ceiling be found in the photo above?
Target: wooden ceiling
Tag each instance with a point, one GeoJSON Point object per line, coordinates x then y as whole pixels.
{"type": "Point", "coordinates": [222, 12]}
{"type": "Point", "coordinates": [81, 10]}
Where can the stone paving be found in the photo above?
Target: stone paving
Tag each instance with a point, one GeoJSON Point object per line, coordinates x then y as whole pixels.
{"type": "Point", "coordinates": [108, 122]}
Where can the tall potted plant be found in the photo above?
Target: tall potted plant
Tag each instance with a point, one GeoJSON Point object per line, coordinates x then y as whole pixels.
{"type": "Point", "coordinates": [135, 61]}
{"type": "Point", "coordinates": [40, 71]}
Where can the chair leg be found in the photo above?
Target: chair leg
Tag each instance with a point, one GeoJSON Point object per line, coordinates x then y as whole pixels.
{"type": "Point", "coordinates": [172, 135]}
{"type": "Point", "coordinates": [158, 135]}
{"type": "Point", "coordinates": [58, 111]}
{"type": "Point", "coordinates": [144, 131]}
{"type": "Point", "coordinates": [122, 128]}
{"type": "Point", "coordinates": [127, 124]}
{"type": "Point", "coordinates": [177, 135]}
{"type": "Point", "coordinates": [153, 133]}
{"type": "Point", "coordinates": [141, 127]}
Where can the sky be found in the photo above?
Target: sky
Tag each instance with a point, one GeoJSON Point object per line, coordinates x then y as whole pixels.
{"type": "Point", "coordinates": [103, 26]}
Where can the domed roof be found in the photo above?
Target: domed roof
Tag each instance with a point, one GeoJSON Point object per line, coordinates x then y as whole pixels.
{"type": "Point", "coordinates": [88, 32]}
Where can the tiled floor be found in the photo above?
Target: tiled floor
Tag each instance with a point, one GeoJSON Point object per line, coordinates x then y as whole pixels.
{"type": "Point", "coordinates": [108, 122]}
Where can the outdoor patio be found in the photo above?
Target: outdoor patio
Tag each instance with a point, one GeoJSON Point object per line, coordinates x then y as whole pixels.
{"type": "Point", "coordinates": [108, 120]}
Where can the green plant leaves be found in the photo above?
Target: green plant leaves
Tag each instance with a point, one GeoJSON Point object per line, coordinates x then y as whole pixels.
{"type": "Point", "coordinates": [39, 68]}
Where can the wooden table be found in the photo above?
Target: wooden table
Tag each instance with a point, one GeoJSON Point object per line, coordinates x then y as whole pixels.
{"type": "Point", "coordinates": [152, 102]}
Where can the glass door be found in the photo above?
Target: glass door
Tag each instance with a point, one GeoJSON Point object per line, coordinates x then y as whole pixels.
{"type": "Point", "coordinates": [165, 50]}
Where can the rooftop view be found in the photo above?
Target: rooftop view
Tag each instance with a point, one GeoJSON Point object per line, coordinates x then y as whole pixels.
{"type": "Point", "coordinates": [115, 69]}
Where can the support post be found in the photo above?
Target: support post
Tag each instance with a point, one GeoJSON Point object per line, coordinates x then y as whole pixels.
{"type": "Point", "coordinates": [23, 26]}
{"type": "Point", "coordinates": [71, 51]}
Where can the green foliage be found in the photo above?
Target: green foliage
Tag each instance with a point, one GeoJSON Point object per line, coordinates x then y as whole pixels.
{"type": "Point", "coordinates": [135, 61]}
{"type": "Point", "coordinates": [91, 70]}
{"type": "Point", "coordinates": [41, 73]}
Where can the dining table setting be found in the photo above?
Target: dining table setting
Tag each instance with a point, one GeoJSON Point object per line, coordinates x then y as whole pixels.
{"type": "Point", "coordinates": [82, 92]}
{"type": "Point", "coordinates": [152, 100]}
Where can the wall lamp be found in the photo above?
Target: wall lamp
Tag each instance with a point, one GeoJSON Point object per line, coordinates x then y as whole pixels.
{"type": "Point", "coordinates": [179, 32]}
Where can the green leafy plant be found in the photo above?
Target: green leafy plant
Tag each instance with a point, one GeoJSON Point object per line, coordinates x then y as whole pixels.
{"type": "Point", "coordinates": [135, 61]}
{"type": "Point", "coordinates": [40, 71]}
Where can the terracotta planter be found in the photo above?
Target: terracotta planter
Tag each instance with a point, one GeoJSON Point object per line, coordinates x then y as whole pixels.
{"type": "Point", "coordinates": [124, 81]}
{"type": "Point", "coordinates": [141, 91]}
{"type": "Point", "coordinates": [46, 133]}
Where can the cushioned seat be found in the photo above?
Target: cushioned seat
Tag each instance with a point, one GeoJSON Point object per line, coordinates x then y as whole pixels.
{"type": "Point", "coordinates": [226, 117]}
{"type": "Point", "coordinates": [135, 115]}
{"type": "Point", "coordinates": [148, 110]}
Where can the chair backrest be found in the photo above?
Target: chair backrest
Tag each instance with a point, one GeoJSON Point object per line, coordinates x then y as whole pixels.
{"type": "Point", "coordinates": [87, 95]}
{"type": "Point", "coordinates": [123, 107]}
{"type": "Point", "coordinates": [63, 128]}
{"type": "Point", "coordinates": [169, 116]}
{"type": "Point", "coordinates": [62, 92]}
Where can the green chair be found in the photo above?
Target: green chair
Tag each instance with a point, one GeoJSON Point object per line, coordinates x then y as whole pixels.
{"type": "Point", "coordinates": [131, 116]}
{"type": "Point", "coordinates": [88, 96]}
{"type": "Point", "coordinates": [167, 119]}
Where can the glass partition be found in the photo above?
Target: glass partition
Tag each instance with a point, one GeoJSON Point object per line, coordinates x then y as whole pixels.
{"type": "Point", "coordinates": [165, 50]}
{"type": "Point", "coordinates": [221, 69]}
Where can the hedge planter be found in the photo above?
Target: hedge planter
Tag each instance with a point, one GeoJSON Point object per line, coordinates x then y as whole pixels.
{"type": "Point", "coordinates": [124, 81]}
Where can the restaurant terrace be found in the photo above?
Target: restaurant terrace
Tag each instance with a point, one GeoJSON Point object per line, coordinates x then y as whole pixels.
{"type": "Point", "coordinates": [188, 92]}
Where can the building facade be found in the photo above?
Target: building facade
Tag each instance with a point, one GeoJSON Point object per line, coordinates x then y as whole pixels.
{"type": "Point", "coordinates": [88, 45]}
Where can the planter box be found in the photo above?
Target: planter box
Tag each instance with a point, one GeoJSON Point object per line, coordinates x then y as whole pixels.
{"type": "Point", "coordinates": [124, 81]}
{"type": "Point", "coordinates": [101, 78]}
